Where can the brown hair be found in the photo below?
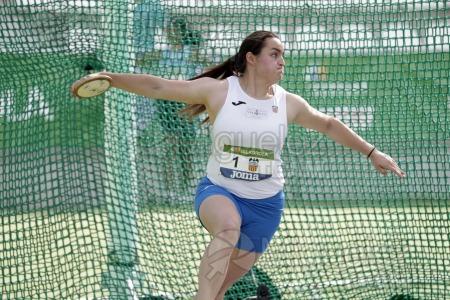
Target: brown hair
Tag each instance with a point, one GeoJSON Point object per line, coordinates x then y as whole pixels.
{"type": "Point", "coordinates": [234, 65]}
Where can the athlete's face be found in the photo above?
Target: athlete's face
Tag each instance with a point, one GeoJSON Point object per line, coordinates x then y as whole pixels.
{"type": "Point", "coordinates": [270, 61]}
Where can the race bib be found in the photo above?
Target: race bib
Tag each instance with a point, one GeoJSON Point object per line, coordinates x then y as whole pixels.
{"type": "Point", "coordinates": [251, 164]}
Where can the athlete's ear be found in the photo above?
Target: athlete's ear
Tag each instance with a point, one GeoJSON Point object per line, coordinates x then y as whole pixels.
{"type": "Point", "coordinates": [250, 57]}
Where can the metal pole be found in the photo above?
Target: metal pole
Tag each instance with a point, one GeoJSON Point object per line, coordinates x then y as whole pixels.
{"type": "Point", "coordinates": [120, 148]}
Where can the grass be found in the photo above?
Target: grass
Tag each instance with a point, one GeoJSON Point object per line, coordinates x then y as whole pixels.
{"type": "Point", "coordinates": [331, 251]}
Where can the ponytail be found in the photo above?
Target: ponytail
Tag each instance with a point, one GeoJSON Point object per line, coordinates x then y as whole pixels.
{"type": "Point", "coordinates": [222, 71]}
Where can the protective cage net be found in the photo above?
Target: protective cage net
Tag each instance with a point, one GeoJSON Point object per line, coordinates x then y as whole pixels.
{"type": "Point", "coordinates": [96, 195]}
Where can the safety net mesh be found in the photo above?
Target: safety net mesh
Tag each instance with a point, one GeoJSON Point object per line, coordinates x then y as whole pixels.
{"type": "Point", "coordinates": [96, 195]}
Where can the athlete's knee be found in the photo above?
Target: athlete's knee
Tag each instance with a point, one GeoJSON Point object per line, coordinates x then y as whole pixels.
{"type": "Point", "coordinates": [228, 235]}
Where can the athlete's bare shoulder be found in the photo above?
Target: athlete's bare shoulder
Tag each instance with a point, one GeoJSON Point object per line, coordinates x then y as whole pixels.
{"type": "Point", "coordinates": [211, 84]}
{"type": "Point", "coordinates": [295, 105]}
{"type": "Point", "coordinates": [214, 92]}
{"type": "Point", "coordinates": [211, 89]}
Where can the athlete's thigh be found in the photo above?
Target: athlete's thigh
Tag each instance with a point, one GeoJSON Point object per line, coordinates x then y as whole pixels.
{"type": "Point", "coordinates": [218, 213]}
{"type": "Point", "coordinates": [216, 208]}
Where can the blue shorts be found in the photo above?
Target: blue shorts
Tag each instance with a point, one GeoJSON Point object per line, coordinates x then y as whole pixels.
{"type": "Point", "coordinates": [260, 217]}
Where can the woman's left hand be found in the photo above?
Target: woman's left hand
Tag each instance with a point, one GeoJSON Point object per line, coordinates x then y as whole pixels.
{"type": "Point", "coordinates": [384, 163]}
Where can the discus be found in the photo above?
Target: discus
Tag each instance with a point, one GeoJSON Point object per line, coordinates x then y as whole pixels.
{"type": "Point", "coordinates": [92, 86]}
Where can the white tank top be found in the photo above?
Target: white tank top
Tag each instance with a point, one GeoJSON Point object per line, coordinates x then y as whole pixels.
{"type": "Point", "coordinates": [247, 139]}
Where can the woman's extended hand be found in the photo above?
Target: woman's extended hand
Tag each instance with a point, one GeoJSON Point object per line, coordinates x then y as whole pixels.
{"type": "Point", "coordinates": [384, 163]}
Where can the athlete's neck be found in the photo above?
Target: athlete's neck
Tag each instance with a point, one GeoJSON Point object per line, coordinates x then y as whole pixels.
{"type": "Point", "coordinates": [256, 90]}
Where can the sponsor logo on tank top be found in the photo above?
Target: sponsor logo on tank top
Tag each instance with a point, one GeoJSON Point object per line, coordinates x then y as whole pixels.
{"type": "Point", "coordinates": [256, 113]}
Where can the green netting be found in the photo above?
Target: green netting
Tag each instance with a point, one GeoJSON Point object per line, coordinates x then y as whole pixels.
{"type": "Point", "coordinates": [96, 195]}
